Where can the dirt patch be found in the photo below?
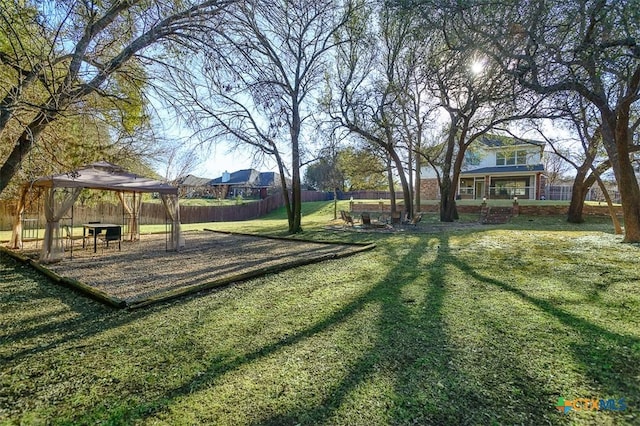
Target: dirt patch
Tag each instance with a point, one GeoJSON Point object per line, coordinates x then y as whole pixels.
{"type": "Point", "coordinates": [145, 269]}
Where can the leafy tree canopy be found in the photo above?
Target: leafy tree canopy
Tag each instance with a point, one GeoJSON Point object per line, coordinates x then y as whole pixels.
{"type": "Point", "coordinates": [351, 169]}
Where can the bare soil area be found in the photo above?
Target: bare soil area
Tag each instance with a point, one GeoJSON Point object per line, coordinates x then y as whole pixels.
{"type": "Point", "coordinates": [145, 268]}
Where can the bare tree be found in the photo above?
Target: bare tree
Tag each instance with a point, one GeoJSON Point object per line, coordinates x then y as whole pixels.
{"type": "Point", "coordinates": [590, 160]}
{"type": "Point", "coordinates": [475, 96]}
{"type": "Point", "coordinates": [370, 87]}
{"type": "Point", "coordinates": [555, 165]}
{"type": "Point", "coordinates": [255, 86]}
{"type": "Point", "coordinates": [416, 108]}
{"type": "Point", "coordinates": [57, 55]}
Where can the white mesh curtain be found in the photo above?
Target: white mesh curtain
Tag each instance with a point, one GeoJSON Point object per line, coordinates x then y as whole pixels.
{"type": "Point", "coordinates": [16, 236]}
{"type": "Point", "coordinates": [53, 245]}
{"type": "Point", "coordinates": [173, 211]}
{"type": "Point", "coordinates": [132, 203]}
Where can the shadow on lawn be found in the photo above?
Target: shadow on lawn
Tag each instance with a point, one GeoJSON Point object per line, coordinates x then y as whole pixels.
{"type": "Point", "coordinates": [606, 356]}
{"type": "Point", "coordinates": [414, 345]}
{"type": "Point", "coordinates": [78, 318]}
{"type": "Point", "coordinates": [430, 388]}
{"type": "Point", "coordinates": [559, 223]}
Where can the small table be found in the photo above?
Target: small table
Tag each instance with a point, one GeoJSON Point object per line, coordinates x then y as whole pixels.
{"type": "Point", "coordinates": [97, 228]}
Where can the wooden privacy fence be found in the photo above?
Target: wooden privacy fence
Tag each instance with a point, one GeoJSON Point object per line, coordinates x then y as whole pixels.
{"type": "Point", "coordinates": [154, 213]}
{"type": "Point", "coordinates": [366, 195]}
{"type": "Point", "coordinates": [197, 214]}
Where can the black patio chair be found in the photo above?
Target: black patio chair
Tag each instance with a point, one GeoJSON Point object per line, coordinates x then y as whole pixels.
{"type": "Point", "coordinates": [112, 234]}
{"type": "Point", "coordinates": [346, 217]}
{"type": "Point", "coordinates": [366, 220]}
{"type": "Point", "coordinates": [416, 219]}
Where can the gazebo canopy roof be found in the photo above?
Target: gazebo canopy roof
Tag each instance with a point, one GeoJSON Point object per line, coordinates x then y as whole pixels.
{"type": "Point", "coordinates": [104, 175]}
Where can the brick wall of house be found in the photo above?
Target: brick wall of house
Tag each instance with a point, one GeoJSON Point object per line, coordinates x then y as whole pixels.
{"type": "Point", "coordinates": [588, 210]}
{"type": "Point", "coordinates": [429, 189]}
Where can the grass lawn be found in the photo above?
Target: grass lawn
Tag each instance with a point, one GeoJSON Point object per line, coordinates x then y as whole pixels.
{"type": "Point", "coordinates": [485, 326]}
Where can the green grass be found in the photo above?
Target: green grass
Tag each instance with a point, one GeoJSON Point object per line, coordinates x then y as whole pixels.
{"type": "Point", "coordinates": [487, 326]}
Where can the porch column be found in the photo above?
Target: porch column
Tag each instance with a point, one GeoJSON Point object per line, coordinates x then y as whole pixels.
{"type": "Point", "coordinates": [487, 186]}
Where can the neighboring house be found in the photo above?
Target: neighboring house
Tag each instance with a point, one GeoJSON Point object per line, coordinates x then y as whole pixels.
{"type": "Point", "coordinates": [496, 167]}
{"type": "Point", "coordinates": [193, 187]}
{"type": "Point", "coordinates": [246, 183]}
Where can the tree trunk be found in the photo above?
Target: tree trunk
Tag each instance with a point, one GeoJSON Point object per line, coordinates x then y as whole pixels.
{"type": "Point", "coordinates": [578, 194]}
{"type": "Point", "coordinates": [406, 191]}
{"type": "Point", "coordinates": [410, 175]}
{"type": "Point", "coordinates": [417, 183]}
{"type": "Point", "coordinates": [392, 190]}
{"type": "Point", "coordinates": [296, 195]}
{"type": "Point", "coordinates": [448, 210]}
{"type": "Point", "coordinates": [616, 141]}
{"type": "Point", "coordinates": [22, 148]}
{"type": "Point", "coordinates": [612, 211]}
{"type": "Point", "coordinates": [295, 226]}
{"type": "Point", "coordinates": [630, 197]}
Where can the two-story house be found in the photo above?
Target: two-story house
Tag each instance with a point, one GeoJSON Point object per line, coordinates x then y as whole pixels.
{"type": "Point", "coordinates": [496, 167]}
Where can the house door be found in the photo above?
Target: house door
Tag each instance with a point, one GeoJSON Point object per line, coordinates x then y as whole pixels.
{"type": "Point", "coordinates": [479, 193]}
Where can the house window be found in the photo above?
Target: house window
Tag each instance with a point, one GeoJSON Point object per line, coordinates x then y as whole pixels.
{"type": "Point", "coordinates": [509, 188]}
{"type": "Point", "coordinates": [466, 188]}
{"type": "Point", "coordinates": [505, 158]}
{"type": "Point", "coordinates": [511, 158]}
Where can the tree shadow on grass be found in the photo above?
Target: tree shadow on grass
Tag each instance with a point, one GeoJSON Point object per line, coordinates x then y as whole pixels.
{"type": "Point", "coordinates": [560, 223]}
{"type": "Point", "coordinates": [416, 345]}
{"type": "Point", "coordinates": [75, 318]}
{"type": "Point", "coordinates": [413, 347]}
{"type": "Point", "coordinates": [610, 359]}
{"type": "Point", "coordinates": [385, 292]}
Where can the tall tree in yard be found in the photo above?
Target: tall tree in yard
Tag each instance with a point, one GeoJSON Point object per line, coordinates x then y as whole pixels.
{"type": "Point", "coordinates": [368, 88]}
{"type": "Point", "coordinates": [587, 157]}
{"type": "Point", "coordinates": [56, 56]}
{"type": "Point", "coordinates": [588, 48]}
{"type": "Point", "coordinates": [259, 79]}
{"type": "Point", "coordinates": [475, 96]}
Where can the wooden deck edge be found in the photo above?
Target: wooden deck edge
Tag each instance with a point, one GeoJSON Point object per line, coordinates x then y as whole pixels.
{"type": "Point", "coordinates": [115, 302]}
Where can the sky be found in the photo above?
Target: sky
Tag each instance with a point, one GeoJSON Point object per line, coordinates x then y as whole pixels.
{"type": "Point", "coordinates": [219, 161]}
{"type": "Point", "coordinates": [209, 163]}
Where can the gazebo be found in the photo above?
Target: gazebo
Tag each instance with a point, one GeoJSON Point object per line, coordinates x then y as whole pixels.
{"type": "Point", "coordinates": [103, 176]}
